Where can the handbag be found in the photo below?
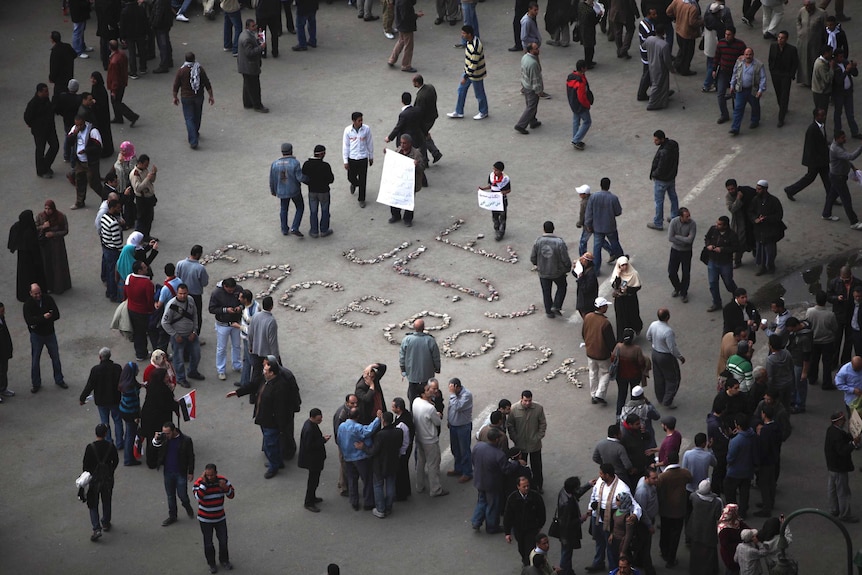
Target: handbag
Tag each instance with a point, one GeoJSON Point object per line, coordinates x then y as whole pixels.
{"type": "Point", "coordinates": [554, 529]}
{"type": "Point", "coordinates": [615, 364]}
{"type": "Point", "coordinates": [704, 256]}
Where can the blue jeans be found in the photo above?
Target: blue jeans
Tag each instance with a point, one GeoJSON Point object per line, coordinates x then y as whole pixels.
{"type": "Point", "coordinates": [182, 6]}
{"type": "Point", "coordinates": [272, 448]}
{"type": "Point", "coordinates": [459, 441]}
{"type": "Point", "coordinates": [844, 102]}
{"type": "Point", "coordinates": [223, 335]}
{"type": "Point", "coordinates": [384, 492]}
{"type": "Point", "coordinates": [659, 189]}
{"type": "Point", "coordinates": [566, 559]}
{"type": "Point", "coordinates": [166, 50]}
{"type": "Point", "coordinates": [478, 91]}
{"type": "Point", "coordinates": [722, 83]}
{"type": "Point", "coordinates": [179, 349]}
{"type": "Point", "coordinates": [175, 485]}
{"type": "Point", "coordinates": [470, 19]}
{"type": "Point", "coordinates": [581, 123]}
{"type": "Point", "coordinates": [746, 96]}
{"type": "Point", "coordinates": [297, 217]}
{"type": "Point", "coordinates": [601, 537]}
{"type": "Point", "coordinates": [311, 21]}
{"type": "Point", "coordinates": [129, 447]}
{"type": "Point", "coordinates": [610, 242]}
{"type": "Point", "coordinates": [245, 375]}
{"type": "Point", "coordinates": [708, 80]}
{"type": "Point", "coordinates": [37, 342]}
{"type": "Point", "coordinates": [109, 264]}
{"type": "Point", "coordinates": [107, 412]}
{"type": "Point", "coordinates": [725, 272]}
{"type": "Point", "coordinates": [559, 297]}
{"type": "Point", "coordinates": [488, 510]}
{"type": "Point", "coordinates": [193, 109]}
{"type": "Point", "coordinates": [801, 394]}
{"type": "Point", "coordinates": [78, 43]}
{"type": "Point", "coordinates": [321, 201]}
{"type": "Point", "coordinates": [232, 29]}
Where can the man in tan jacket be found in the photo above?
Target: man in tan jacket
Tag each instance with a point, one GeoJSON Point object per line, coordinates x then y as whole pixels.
{"type": "Point", "coordinates": [599, 342]}
{"type": "Point", "coordinates": [688, 22]}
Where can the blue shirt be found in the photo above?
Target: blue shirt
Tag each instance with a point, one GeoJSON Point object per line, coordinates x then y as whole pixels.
{"type": "Point", "coordinates": [285, 176]}
{"type": "Point", "coordinates": [172, 462]}
{"type": "Point", "coordinates": [848, 380]}
{"type": "Point", "coordinates": [351, 431]}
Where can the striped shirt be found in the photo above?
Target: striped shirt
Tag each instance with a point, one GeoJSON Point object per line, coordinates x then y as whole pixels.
{"type": "Point", "coordinates": [110, 232]}
{"type": "Point", "coordinates": [474, 60]}
{"type": "Point", "coordinates": [210, 497]}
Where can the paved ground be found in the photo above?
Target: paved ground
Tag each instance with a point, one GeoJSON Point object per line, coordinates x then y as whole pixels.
{"type": "Point", "coordinates": [217, 195]}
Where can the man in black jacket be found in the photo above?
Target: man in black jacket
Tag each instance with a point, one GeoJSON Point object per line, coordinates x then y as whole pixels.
{"type": "Point", "coordinates": [839, 448]}
{"type": "Point", "coordinates": [426, 101]}
{"type": "Point", "coordinates": [133, 33]}
{"type": "Point", "coordinates": [100, 460]}
{"type": "Point", "coordinates": [741, 312]}
{"type": "Point", "coordinates": [5, 355]}
{"type": "Point", "coordinates": [384, 454]}
{"type": "Point", "coordinates": [525, 517]}
{"type": "Point", "coordinates": [665, 165]}
{"type": "Point", "coordinates": [410, 121]}
{"type": "Point", "coordinates": [312, 453]}
{"type": "Point", "coordinates": [39, 117]}
{"type": "Point", "coordinates": [102, 383]}
{"type": "Point", "coordinates": [40, 313]}
{"type": "Point", "coordinates": [317, 175]}
{"type": "Point", "coordinates": [176, 452]}
{"type": "Point", "coordinates": [815, 156]}
{"type": "Point", "coordinates": [61, 67]}
{"type": "Point", "coordinates": [162, 20]}
{"type": "Point", "coordinates": [721, 243]}
{"type": "Point", "coordinates": [227, 309]}
{"type": "Point", "coordinates": [767, 215]}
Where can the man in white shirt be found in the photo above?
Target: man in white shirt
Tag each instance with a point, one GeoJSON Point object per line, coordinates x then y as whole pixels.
{"type": "Point", "coordinates": [427, 419]}
{"type": "Point", "coordinates": [88, 149]}
{"type": "Point", "coordinates": [358, 153]}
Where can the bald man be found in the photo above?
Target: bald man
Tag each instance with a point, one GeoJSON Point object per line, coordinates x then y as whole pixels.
{"type": "Point", "coordinates": [849, 379]}
{"type": "Point", "coordinates": [40, 313]}
{"type": "Point", "coordinates": [419, 359]}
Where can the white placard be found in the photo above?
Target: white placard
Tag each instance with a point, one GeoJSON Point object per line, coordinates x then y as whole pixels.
{"type": "Point", "coordinates": [855, 423]}
{"type": "Point", "coordinates": [489, 200]}
{"type": "Point", "coordinates": [856, 176]}
{"type": "Point", "coordinates": [397, 181]}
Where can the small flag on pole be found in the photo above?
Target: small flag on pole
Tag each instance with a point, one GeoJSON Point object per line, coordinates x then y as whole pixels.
{"type": "Point", "coordinates": [188, 406]}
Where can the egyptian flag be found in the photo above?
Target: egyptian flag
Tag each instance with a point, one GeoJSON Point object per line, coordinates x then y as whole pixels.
{"type": "Point", "coordinates": [188, 406]}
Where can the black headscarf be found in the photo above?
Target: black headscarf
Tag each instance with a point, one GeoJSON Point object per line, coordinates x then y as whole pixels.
{"type": "Point", "coordinates": [23, 234]}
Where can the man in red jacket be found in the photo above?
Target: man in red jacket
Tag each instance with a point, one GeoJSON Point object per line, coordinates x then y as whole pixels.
{"type": "Point", "coordinates": [140, 294]}
{"type": "Point", "coordinates": [118, 79]}
{"type": "Point", "coordinates": [577, 88]}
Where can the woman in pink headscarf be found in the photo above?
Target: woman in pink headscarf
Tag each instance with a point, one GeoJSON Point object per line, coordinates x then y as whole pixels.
{"type": "Point", "coordinates": [730, 528]}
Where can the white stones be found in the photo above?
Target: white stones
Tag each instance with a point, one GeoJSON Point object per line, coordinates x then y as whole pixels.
{"type": "Point", "coordinates": [352, 257]}
{"type": "Point", "coordinates": [446, 348]}
{"type": "Point", "coordinates": [408, 324]}
{"type": "Point", "coordinates": [356, 306]}
{"type": "Point", "coordinates": [501, 361]}
{"type": "Point", "coordinates": [284, 299]}
{"type": "Point", "coordinates": [572, 373]}
{"type": "Point", "coordinates": [513, 256]}
{"type": "Point", "coordinates": [259, 273]}
{"type": "Point", "coordinates": [529, 311]}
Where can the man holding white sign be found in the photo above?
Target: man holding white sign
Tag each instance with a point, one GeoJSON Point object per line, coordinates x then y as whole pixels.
{"type": "Point", "coordinates": [398, 183]}
{"type": "Point", "coordinates": [497, 200]}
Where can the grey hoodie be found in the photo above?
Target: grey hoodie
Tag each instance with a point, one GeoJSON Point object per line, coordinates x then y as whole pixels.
{"type": "Point", "coordinates": [779, 369]}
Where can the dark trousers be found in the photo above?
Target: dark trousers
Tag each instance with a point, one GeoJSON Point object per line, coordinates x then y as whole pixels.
{"type": "Point", "coordinates": [781, 85]}
{"type": "Point", "coordinates": [765, 254]}
{"type": "Point", "coordinates": [671, 530]}
{"type": "Point", "coordinates": [536, 469]}
{"type": "Point", "coordinates": [624, 42]}
{"type": "Point", "coordinates": [146, 208]}
{"type": "Point", "coordinates": [140, 322]}
{"type": "Point", "coordinates": [526, 539]}
{"type": "Point", "coordinates": [559, 297]}
{"type": "Point", "coordinates": [499, 218]}
{"type": "Point", "coordinates": [402, 478]}
{"type": "Point", "coordinates": [4, 374]}
{"type": "Point", "coordinates": [528, 118]}
{"type": "Point", "coordinates": [87, 174]}
{"type": "Point", "coordinates": [805, 181]}
{"type": "Point", "coordinates": [220, 529]}
{"type": "Point", "coordinates": [821, 101]}
{"type": "Point", "coordinates": [722, 83]}
{"type": "Point", "coordinates": [199, 302]}
{"type": "Point", "coordinates": [821, 353]}
{"type": "Point", "coordinates": [166, 51]}
{"type": "Point", "coordinates": [766, 480]}
{"type": "Point", "coordinates": [844, 344]}
{"type": "Point", "coordinates": [843, 102]}
{"type": "Point", "coordinates": [666, 375]}
{"type": "Point", "coordinates": [311, 486]}
{"type": "Point", "coordinates": [274, 25]}
{"type": "Point", "coordinates": [642, 554]}
{"type": "Point", "coordinates": [684, 54]}
{"type": "Point", "coordinates": [589, 52]}
{"type": "Point", "coordinates": [44, 159]}
{"type": "Point", "coordinates": [520, 9]}
{"type": "Point", "coordinates": [357, 173]}
{"type": "Point", "coordinates": [396, 214]}
{"type": "Point", "coordinates": [719, 472]}
{"type": "Point", "coordinates": [644, 85]}
{"type": "Point", "coordinates": [837, 190]}
{"type": "Point", "coordinates": [120, 109]}
{"type": "Point", "coordinates": [356, 470]}
{"type": "Point", "coordinates": [736, 490]}
{"type": "Point", "coordinates": [750, 8]}
{"type": "Point", "coordinates": [288, 17]}
{"type": "Point", "coordinates": [137, 55]}
{"type": "Point", "coordinates": [251, 91]}
{"type": "Point", "coordinates": [104, 494]}
{"type": "Point", "coordinates": [288, 441]}
{"type": "Point", "coordinates": [679, 259]}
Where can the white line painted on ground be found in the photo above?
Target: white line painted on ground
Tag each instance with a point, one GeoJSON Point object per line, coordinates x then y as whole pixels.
{"type": "Point", "coordinates": [708, 178]}
{"type": "Point", "coordinates": [446, 457]}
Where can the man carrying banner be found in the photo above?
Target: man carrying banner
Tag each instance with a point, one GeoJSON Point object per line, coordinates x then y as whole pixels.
{"type": "Point", "coordinates": [498, 182]}
{"type": "Point", "coordinates": [406, 149]}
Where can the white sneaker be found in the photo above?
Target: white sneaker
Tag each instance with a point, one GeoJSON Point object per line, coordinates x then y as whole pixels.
{"type": "Point", "coordinates": [856, 226]}
{"type": "Point", "coordinates": [455, 115]}
{"type": "Point", "coordinates": [480, 116]}
{"type": "Point", "coordinates": [182, 18]}
{"type": "Point", "coordinates": [389, 35]}
{"type": "Point", "coordinates": [222, 376]}
{"type": "Point", "coordinates": [83, 55]}
{"type": "Point", "coordinates": [830, 218]}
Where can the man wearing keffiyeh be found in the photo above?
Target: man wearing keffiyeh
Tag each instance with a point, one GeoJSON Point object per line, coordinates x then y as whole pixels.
{"type": "Point", "coordinates": [191, 81]}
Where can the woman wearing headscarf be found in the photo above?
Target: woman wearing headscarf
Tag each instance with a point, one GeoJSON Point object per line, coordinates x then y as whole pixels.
{"type": "Point", "coordinates": [126, 162]}
{"type": "Point", "coordinates": [102, 113]}
{"type": "Point", "coordinates": [24, 239]}
{"type": "Point", "coordinates": [159, 407]}
{"type": "Point", "coordinates": [370, 393]}
{"type": "Point", "coordinates": [570, 519]}
{"type": "Point", "coordinates": [706, 509]}
{"type": "Point", "coordinates": [52, 227]}
{"type": "Point", "coordinates": [626, 283]}
{"type": "Point", "coordinates": [730, 528]}
{"type": "Point", "coordinates": [159, 360]}
{"type": "Point", "coordinates": [633, 368]}
{"type": "Point", "coordinates": [623, 521]}
{"type": "Point", "coordinates": [130, 409]}
{"type": "Point", "coordinates": [135, 250]}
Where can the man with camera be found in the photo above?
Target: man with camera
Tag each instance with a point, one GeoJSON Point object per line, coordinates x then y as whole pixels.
{"type": "Point", "coordinates": [177, 453]}
{"type": "Point", "coordinates": [180, 322]}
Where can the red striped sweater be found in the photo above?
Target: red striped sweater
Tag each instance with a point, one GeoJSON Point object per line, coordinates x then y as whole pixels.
{"type": "Point", "coordinates": [210, 498]}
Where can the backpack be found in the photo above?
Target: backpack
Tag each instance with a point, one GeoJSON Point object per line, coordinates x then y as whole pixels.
{"type": "Point", "coordinates": [103, 475]}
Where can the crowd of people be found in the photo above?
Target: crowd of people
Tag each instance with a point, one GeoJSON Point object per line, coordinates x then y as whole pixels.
{"type": "Point", "coordinates": [389, 451]}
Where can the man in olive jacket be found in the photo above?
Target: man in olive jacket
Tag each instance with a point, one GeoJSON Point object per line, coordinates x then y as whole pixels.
{"type": "Point", "coordinates": [526, 425]}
